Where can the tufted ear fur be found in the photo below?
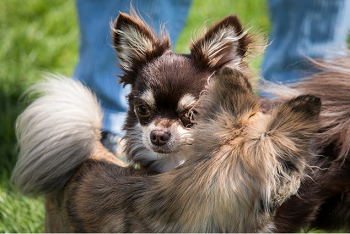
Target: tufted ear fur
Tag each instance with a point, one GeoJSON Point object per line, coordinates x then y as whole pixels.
{"type": "Point", "coordinates": [136, 44]}
{"type": "Point", "coordinates": [225, 43]}
{"type": "Point", "coordinates": [232, 94]}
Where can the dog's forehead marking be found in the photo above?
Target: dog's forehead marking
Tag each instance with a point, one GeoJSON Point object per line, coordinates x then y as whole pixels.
{"type": "Point", "coordinates": [186, 102]}
{"type": "Point", "coordinates": [148, 97]}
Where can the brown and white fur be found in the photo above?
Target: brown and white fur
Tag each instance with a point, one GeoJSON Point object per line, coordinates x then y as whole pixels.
{"type": "Point", "coordinates": [240, 168]}
{"type": "Point", "coordinates": [165, 85]}
{"type": "Point", "coordinates": [323, 200]}
{"type": "Point", "coordinates": [51, 154]}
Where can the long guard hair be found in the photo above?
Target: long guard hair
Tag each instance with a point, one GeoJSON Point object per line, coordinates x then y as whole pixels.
{"type": "Point", "coordinates": [241, 167]}
{"type": "Point", "coordinates": [323, 199]}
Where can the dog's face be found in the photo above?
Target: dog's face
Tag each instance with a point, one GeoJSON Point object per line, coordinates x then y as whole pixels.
{"type": "Point", "coordinates": [165, 85]}
{"type": "Point", "coordinates": [159, 118]}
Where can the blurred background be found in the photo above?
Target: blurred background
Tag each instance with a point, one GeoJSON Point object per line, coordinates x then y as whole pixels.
{"type": "Point", "coordinates": [39, 36]}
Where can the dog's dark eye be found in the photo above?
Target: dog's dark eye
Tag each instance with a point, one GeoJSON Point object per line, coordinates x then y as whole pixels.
{"type": "Point", "coordinates": [143, 111]}
{"type": "Point", "coordinates": [186, 119]}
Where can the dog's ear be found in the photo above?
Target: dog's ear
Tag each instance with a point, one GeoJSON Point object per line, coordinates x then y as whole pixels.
{"type": "Point", "coordinates": [230, 93]}
{"type": "Point", "coordinates": [136, 44]}
{"type": "Point", "coordinates": [288, 134]}
{"type": "Point", "coordinates": [223, 108]}
{"type": "Point", "coordinates": [289, 130]}
{"type": "Point", "coordinates": [225, 43]}
{"type": "Point", "coordinates": [296, 120]}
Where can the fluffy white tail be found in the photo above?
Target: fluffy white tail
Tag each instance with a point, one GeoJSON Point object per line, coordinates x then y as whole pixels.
{"type": "Point", "coordinates": [56, 134]}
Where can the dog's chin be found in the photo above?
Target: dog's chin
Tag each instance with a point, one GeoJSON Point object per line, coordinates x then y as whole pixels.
{"type": "Point", "coordinates": [160, 159]}
{"type": "Point", "coordinates": [167, 161]}
{"type": "Point", "coordinates": [162, 151]}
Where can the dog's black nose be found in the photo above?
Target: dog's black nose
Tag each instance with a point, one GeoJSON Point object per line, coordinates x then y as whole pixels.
{"type": "Point", "coordinates": [159, 137]}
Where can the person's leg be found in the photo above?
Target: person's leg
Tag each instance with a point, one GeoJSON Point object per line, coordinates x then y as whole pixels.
{"type": "Point", "coordinates": [97, 67]}
{"type": "Point", "coordinates": [311, 28]}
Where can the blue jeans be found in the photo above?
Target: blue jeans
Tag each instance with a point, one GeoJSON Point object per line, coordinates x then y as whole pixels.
{"type": "Point", "coordinates": [300, 28]}
{"type": "Point", "coordinates": [311, 28]}
{"type": "Point", "coordinates": [97, 67]}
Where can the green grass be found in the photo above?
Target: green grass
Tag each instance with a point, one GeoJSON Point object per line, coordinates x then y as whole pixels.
{"type": "Point", "coordinates": [35, 36]}
{"type": "Point", "coordinates": [38, 36]}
